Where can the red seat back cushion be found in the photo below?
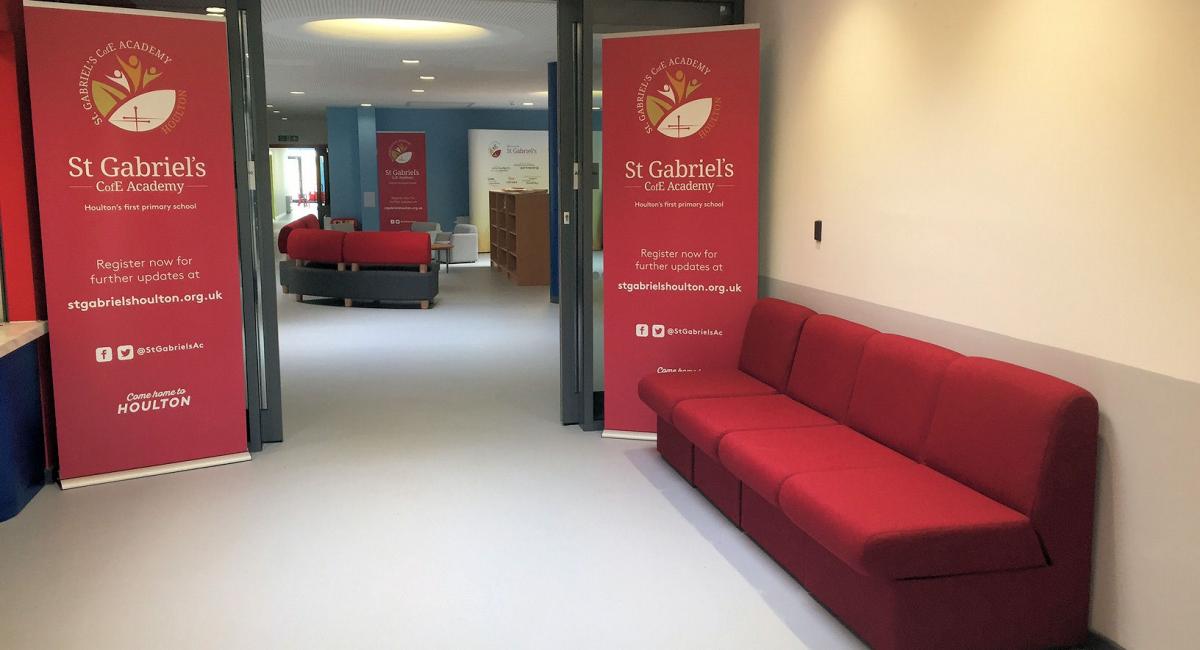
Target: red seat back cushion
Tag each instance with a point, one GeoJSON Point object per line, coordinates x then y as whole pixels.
{"type": "Point", "coordinates": [770, 340]}
{"type": "Point", "coordinates": [398, 247]}
{"type": "Point", "coordinates": [897, 387]}
{"type": "Point", "coordinates": [324, 246]}
{"type": "Point", "coordinates": [994, 423]}
{"type": "Point", "coordinates": [826, 363]}
{"type": "Point", "coordinates": [303, 223]}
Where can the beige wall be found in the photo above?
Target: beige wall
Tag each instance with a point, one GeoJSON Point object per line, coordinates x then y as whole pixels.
{"type": "Point", "coordinates": [1025, 167]}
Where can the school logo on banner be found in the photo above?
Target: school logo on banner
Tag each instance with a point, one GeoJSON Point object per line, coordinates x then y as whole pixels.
{"type": "Point", "coordinates": [400, 152]}
{"type": "Point", "coordinates": [671, 99]}
{"type": "Point", "coordinates": [495, 150]}
{"type": "Point", "coordinates": [128, 85]}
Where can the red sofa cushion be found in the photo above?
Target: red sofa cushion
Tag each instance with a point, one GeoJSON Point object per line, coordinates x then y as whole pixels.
{"type": "Point", "coordinates": [909, 521]}
{"type": "Point", "coordinates": [764, 459]}
{"type": "Point", "coordinates": [307, 222]}
{"type": "Point", "coordinates": [826, 363]}
{"type": "Point", "coordinates": [323, 246]}
{"type": "Point", "coordinates": [995, 422]}
{"type": "Point", "coordinates": [706, 421]}
{"type": "Point", "coordinates": [387, 248]}
{"type": "Point", "coordinates": [896, 390]}
{"type": "Point", "coordinates": [769, 343]}
{"type": "Point", "coordinates": [662, 392]}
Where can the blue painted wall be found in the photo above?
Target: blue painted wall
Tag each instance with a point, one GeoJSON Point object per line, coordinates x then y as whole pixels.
{"type": "Point", "coordinates": [352, 154]}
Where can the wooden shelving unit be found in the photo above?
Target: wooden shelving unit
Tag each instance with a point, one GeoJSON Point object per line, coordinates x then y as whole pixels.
{"type": "Point", "coordinates": [520, 229]}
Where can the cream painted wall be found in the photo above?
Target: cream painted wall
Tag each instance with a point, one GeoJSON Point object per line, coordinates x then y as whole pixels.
{"type": "Point", "coordinates": [1026, 167]}
{"type": "Point", "coordinates": [1030, 167]}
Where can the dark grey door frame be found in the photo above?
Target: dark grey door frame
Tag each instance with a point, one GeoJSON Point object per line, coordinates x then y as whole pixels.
{"type": "Point", "coordinates": [578, 20]}
{"type": "Point", "coordinates": [573, 58]}
{"type": "Point", "coordinates": [264, 408]}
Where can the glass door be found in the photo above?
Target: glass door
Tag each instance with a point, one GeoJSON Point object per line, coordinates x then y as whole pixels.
{"type": "Point", "coordinates": [582, 23]}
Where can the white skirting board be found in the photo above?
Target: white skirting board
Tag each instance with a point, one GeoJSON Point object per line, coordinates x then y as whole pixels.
{"type": "Point", "coordinates": [629, 435]}
{"type": "Point", "coordinates": [125, 475]}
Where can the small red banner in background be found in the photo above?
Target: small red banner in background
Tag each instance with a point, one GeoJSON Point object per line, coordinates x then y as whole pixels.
{"type": "Point", "coordinates": [403, 198]}
{"type": "Point", "coordinates": [680, 207]}
{"type": "Point", "coordinates": [134, 153]}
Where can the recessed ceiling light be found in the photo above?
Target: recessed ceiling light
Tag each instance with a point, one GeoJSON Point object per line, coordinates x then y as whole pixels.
{"type": "Point", "coordinates": [270, 106]}
{"type": "Point", "coordinates": [274, 111]}
{"type": "Point", "coordinates": [527, 103]}
{"type": "Point", "coordinates": [295, 92]}
{"type": "Point", "coordinates": [215, 10]}
{"type": "Point", "coordinates": [427, 77]}
{"type": "Point", "coordinates": [410, 61]}
{"type": "Point", "coordinates": [283, 118]}
{"type": "Point", "coordinates": [418, 90]}
{"type": "Point", "coordinates": [395, 31]}
{"type": "Point", "coordinates": [365, 105]}
{"type": "Point", "coordinates": [595, 108]}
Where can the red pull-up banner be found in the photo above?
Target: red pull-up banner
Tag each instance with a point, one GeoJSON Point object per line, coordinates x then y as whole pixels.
{"type": "Point", "coordinates": [134, 150]}
{"type": "Point", "coordinates": [680, 207]}
{"type": "Point", "coordinates": [403, 194]}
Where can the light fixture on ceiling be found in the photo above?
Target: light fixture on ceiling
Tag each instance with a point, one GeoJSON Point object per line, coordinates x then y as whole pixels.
{"type": "Point", "coordinates": [427, 77]}
{"type": "Point", "coordinates": [366, 105]}
{"type": "Point", "coordinates": [283, 118]}
{"type": "Point", "coordinates": [216, 11]}
{"type": "Point", "coordinates": [541, 93]}
{"type": "Point", "coordinates": [527, 103]}
{"type": "Point", "coordinates": [595, 108]}
{"type": "Point", "coordinates": [276, 112]}
{"type": "Point", "coordinates": [295, 92]}
{"type": "Point", "coordinates": [270, 106]}
{"type": "Point", "coordinates": [395, 30]}
{"type": "Point", "coordinates": [410, 61]}
{"type": "Point", "coordinates": [418, 90]}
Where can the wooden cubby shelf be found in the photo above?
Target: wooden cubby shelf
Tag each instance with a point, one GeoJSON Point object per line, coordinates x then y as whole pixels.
{"type": "Point", "coordinates": [520, 229]}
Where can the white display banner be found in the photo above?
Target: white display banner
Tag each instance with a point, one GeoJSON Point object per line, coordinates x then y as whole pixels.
{"type": "Point", "coordinates": [504, 160]}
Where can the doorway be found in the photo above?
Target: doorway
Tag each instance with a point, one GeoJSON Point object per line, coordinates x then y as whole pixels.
{"type": "Point", "coordinates": [299, 181]}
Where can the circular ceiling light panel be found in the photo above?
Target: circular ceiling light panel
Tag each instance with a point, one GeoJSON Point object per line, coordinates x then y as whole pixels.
{"type": "Point", "coordinates": [395, 30]}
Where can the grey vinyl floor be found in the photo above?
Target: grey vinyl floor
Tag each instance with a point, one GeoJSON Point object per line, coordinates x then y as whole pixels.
{"type": "Point", "coordinates": [426, 497]}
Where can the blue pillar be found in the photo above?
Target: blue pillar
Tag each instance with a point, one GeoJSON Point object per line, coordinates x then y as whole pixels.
{"type": "Point", "coordinates": [368, 169]}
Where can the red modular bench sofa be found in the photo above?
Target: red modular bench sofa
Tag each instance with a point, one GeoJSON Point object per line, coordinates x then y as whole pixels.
{"type": "Point", "coordinates": [928, 499]}
{"type": "Point", "coordinates": [365, 266]}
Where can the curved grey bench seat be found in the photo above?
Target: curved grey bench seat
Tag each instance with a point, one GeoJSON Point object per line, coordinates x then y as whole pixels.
{"type": "Point", "coordinates": [394, 284]}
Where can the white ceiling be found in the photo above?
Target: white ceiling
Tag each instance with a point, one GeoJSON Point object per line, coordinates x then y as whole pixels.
{"type": "Point", "coordinates": [504, 70]}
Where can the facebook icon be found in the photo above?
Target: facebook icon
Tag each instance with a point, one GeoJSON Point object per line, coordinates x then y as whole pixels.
{"type": "Point", "coordinates": [103, 355]}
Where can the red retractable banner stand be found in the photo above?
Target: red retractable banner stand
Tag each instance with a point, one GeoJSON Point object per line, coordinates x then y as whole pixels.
{"type": "Point", "coordinates": [134, 151]}
{"type": "Point", "coordinates": [680, 207]}
{"type": "Point", "coordinates": [402, 185]}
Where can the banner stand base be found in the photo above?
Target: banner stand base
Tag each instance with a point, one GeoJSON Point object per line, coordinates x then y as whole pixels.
{"type": "Point", "coordinates": [141, 472]}
{"type": "Point", "coordinates": [617, 434]}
